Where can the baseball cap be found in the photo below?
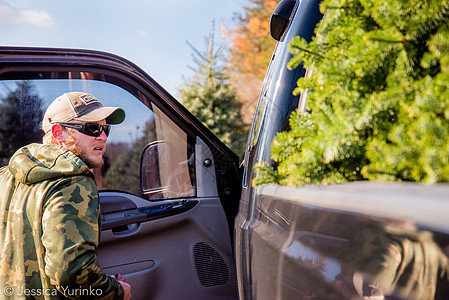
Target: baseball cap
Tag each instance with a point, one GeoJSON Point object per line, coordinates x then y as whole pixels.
{"type": "Point", "coordinates": [81, 107]}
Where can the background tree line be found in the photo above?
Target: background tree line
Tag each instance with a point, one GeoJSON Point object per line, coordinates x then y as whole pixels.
{"type": "Point", "coordinates": [20, 119]}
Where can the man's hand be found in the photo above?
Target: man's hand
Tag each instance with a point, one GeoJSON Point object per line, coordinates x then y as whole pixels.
{"type": "Point", "coordinates": [127, 289]}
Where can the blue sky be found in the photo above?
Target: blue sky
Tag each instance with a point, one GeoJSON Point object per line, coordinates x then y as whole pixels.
{"type": "Point", "coordinates": [150, 33]}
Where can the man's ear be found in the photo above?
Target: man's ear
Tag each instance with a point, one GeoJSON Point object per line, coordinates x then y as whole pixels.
{"type": "Point", "coordinates": [58, 133]}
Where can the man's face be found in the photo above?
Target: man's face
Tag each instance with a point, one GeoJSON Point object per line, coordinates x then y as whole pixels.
{"type": "Point", "coordinates": [89, 148]}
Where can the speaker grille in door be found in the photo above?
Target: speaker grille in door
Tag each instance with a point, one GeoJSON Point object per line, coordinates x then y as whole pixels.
{"type": "Point", "coordinates": [210, 265]}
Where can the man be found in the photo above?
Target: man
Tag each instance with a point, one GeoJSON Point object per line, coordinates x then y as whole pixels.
{"type": "Point", "coordinates": [49, 207]}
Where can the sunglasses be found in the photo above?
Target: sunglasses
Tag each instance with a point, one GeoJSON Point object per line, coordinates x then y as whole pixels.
{"type": "Point", "coordinates": [91, 129]}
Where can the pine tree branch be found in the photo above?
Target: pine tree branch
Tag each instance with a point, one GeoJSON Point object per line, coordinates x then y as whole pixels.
{"type": "Point", "coordinates": [309, 51]}
{"type": "Point", "coordinates": [391, 41]}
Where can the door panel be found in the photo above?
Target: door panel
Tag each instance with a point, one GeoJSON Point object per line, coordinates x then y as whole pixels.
{"type": "Point", "coordinates": [163, 251]}
{"type": "Point", "coordinates": [169, 234]}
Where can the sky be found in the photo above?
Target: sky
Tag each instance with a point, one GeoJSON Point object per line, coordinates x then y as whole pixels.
{"type": "Point", "coordinates": [153, 34]}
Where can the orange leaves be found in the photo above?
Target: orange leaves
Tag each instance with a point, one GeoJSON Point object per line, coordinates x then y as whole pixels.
{"type": "Point", "coordinates": [271, 5]}
{"type": "Point", "coordinates": [251, 47]}
{"type": "Point", "coordinates": [258, 27]}
{"type": "Point", "coordinates": [241, 44]}
{"type": "Point", "coordinates": [252, 44]}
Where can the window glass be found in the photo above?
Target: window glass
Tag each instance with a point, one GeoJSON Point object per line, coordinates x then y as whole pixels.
{"type": "Point", "coordinates": [23, 103]}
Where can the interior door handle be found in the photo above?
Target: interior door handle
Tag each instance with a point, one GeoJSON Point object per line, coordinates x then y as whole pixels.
{"type": "Point", "coordinates": [144, 214]}
{"type": "Point", "coordinates": [123, 221]}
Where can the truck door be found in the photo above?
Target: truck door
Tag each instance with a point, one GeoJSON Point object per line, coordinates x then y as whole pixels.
{"type": "Point", "coordinates": [169, 189]}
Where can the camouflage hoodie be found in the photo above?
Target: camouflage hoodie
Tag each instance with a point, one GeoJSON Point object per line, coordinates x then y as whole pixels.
{"type": "Point", "coordinates": [49, 229]}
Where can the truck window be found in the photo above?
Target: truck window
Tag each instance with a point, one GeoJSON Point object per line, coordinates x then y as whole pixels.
{"type": "Point", "coordinates": [23, 103]}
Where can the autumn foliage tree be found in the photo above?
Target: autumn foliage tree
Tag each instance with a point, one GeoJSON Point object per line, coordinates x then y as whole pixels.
{"type": "Point", "coordinates": [252, 45]}
{"type": "Point", "coordinates": [251, 49]}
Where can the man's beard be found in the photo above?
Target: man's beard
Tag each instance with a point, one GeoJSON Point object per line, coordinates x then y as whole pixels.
{"type": "Point", "coordinates": [74, 147]}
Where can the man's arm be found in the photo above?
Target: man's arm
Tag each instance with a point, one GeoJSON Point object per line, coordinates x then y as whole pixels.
{"type": "Point", "coordinates": [71, 236]}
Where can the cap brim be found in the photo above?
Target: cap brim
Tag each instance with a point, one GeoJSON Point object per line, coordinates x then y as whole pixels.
{"type": "Point", "coordinates": [113, 115]}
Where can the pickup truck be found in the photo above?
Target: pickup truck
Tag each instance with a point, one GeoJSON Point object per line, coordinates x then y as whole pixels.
{"type": "Point", "coordinates": [181, 218]}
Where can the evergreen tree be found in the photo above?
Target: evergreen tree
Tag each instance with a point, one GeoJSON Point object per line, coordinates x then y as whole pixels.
{"type": "Point", "coordinates": [124, 173]}
{"type": "Point", "coordinates": [211, 98]}
{"type": "Point", "coordinates": [378, 96]}
{"type": "Point", "coordinates": [20, 116]}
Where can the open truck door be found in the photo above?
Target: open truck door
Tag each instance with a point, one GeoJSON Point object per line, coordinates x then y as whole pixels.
{"type": "Point", "coordinates": [169, 189]}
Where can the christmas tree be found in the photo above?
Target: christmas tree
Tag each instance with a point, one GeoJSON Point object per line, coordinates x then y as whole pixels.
{"type": "Point", "coordinates": [378, 97]}
{"type": "Point", "coordinates": [211, 98]}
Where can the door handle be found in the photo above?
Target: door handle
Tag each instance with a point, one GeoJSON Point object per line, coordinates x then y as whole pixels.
{"type": "Point", "coordinates": [123, 221]}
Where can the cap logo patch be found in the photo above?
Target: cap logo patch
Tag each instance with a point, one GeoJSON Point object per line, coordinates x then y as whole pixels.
{"type": "Point", "coordinates": [88, 98]}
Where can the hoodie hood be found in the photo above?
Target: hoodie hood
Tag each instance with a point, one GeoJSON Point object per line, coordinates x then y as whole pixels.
{"type": "Point", "coordinates": [38, 162]}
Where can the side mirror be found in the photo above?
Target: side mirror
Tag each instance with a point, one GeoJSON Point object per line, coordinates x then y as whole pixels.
{"type": "Point", "coordinates": [164, 173]}
{"type": "Point", "coordinates": [280, 19]}
{"type": "Point", "coordinates": [150, 177]}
